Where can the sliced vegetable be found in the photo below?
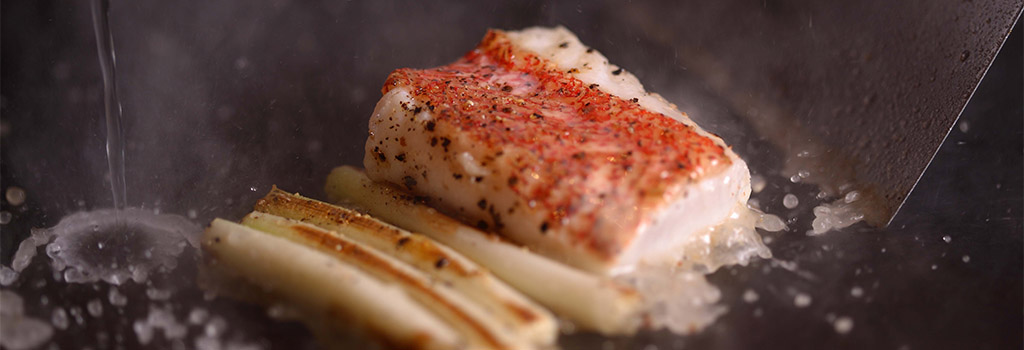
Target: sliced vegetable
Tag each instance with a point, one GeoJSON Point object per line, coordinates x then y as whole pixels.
{"type": "Point", "coordinates": [514, 310]}
{"type": "Point", "coordinates": [316, 281]}
{"type": "Point", "coordinates": [481, 329]}
{"type": "Point", "coordinates": [590, 301]}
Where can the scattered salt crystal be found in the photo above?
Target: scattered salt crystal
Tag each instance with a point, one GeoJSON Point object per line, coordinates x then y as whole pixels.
{"type": "Point", "coordinates": [802, 300]}
{"type": "Point", "coordinates": [856, 292]}
{"type": "Point", "coordinates": [935, 267]}
{"type": "Point", "coordinates": [966, 258]}
{"type": "Point", "coordinates": [790, 201]}
{"type": "Point", "coordinates": [95, 307]}
{"type": "Point", "coordinates": [947, 238]}
{"type": "Point", "coordinates": [843, 325]}
{"type": "Point", "coordinates": [59, 318]}
{"type": "Point", "coordinates": [964, 127]}
{"type": "Point", "coordinates": [750, 296]}
{"type": "Point", "coordinates": [794, 178]}
{"type": "Point", "coordinates": [803, 174]}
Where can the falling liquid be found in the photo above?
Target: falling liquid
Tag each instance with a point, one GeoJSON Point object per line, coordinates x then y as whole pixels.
{"type": "Point", "coordinates": [111, 103]}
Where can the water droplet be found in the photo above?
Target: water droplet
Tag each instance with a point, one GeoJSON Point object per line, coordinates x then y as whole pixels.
{"type": "Point", "coordinates": [856, 292]}
{"type": "Point", "coordinates": [757, 183]}
{"type": "Point", "coordinates": [966, 258]}
{"type": "Point", "coordinates": [947, 238]}
{"type": "Point", "coordinates": [843, 325]}
{"type": "Point", "coordinates": [95, 307]}
{"type": "Point", "coordinates": [750, 296]}
{"type": "Point", "coordinates": [802, 300]}
{"type": "Point", "coordinates": [790, 201]}
{"type": "Point", "coordinates": [15, 195]}
{"type": "Point", "coordinates": [59, 318]}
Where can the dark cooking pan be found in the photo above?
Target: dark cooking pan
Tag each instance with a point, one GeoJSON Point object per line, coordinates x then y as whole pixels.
{"type": "Point", "coordinates": [224, 99]}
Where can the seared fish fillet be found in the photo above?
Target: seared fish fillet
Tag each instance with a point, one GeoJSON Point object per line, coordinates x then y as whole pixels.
{"type": "Point", "coordinates": [536, 136]}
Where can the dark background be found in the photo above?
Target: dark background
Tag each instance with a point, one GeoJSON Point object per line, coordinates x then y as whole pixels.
{"type": "Point", "coordinates": [222, 100]}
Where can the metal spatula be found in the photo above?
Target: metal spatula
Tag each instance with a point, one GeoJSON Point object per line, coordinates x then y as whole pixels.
{"type": "Point", "coordinates": [859, 93]}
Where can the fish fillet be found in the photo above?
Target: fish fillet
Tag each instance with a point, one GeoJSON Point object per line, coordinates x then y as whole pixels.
{"type": "Point", "coordinates": [536, 136]}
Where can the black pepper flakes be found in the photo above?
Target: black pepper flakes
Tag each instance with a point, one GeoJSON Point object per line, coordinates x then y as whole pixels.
{"type": "Point", "coordinates": [400, 157]}
{"type": "Point", "coordinates": [417, 110]}
{"type": "Point", "coordinates": [506, 88]}
{"type": "Point", "coordinates": [457, 176]}
{"type": "Point", "coordinates": [536, 116]}
{"type": "Point", "coordinates": [593, 86]}
{"type": "Point", "coordinates": [564, 45]}
{"type": "Point", "coordinates": [380, 155]}
{"type": "Point", "coordinates": [441, 263]}
{"type": "Point", "coordinates": [506, 110]}
{"type": "Point", "coordinates": [482, 204]}
{"type": "Point", "coordinates": [634, 100]}
{"type": "Point", "coordinates": [409, 181]}
{"type": "Point", "coordinates": [445, 142]}
{"type": "Point", "coordinates": [590, 50]}
{"type": "Point", "coordinates": [481, 225]}
{"type": "Point", "coordinates": [617, 71]}
{"type": "Point", "coordinates": [512, 181]}
{"type": "Point", "coordinates": [430, 125]}
{"type": "Point", "coordinates": [402, 241]}
{"type": "Point", "coordinates": [544, 227]}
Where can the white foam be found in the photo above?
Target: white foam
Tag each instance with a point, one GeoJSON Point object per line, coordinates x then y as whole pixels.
{"type": "Point", "coordinates": [676, 299]}
{"type": "Point", "coordinates": [113, 246]}
{"type": "Point", "coordinates": [836, 215]}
